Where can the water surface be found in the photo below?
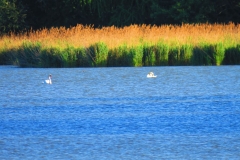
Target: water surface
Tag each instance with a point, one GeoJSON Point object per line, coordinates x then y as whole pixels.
{"type": "Point", "coordinates": [118, 113]}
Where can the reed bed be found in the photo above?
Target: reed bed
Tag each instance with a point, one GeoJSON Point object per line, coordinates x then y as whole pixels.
{"type": "Point", "coordinates": [135, 45]}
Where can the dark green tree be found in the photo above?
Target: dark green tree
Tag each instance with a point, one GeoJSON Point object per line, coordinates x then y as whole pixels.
{"type": "Point", "coordinates": [160, 12]}
{"type": "Point", "coordinates": [12, 16]}
{"type": "Point", "coordinates": [226, 11]}
{"type": "Point", "coordinates": [191, 11]}
{"type": "Point", "coordinates": [195, 11]}
{"type": "Point", "coordinates": [16, 15]}
{"type": "Point", "coordinates": [126, 12]}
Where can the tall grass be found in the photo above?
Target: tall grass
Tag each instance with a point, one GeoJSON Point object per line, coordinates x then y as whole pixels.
{"type": "Point", "coordinates": [135, 45]}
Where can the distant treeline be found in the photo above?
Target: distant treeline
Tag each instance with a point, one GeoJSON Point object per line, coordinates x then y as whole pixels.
{"type": "Point", "coordinates": [21, 15]}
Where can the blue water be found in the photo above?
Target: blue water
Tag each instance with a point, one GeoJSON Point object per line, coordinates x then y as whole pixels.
{"type": "Point", "coordinates": [118, 113]}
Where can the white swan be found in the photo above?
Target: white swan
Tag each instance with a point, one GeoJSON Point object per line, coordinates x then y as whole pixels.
{"type": "Point", "coordinates": [151, 75]}
{"type": "Point", "coordinates": [49, 80]}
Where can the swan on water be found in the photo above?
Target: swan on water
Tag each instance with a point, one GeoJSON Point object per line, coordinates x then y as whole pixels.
{"type": "Point", "coordinates": [49, 80]}
{"type": "Point", "coordinates": [151, 75]}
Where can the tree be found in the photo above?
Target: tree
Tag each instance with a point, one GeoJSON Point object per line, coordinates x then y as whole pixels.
{"type": "Point", "coordinates": [226, 11]}
{"type": "Point", "coordinates": [12, 16]}
{"type": "Point", "coordinates": [160, 12]}
{"type": "Point", "coordinates": [16, 15]}
{"type": "Point", "coordinates": [191, 11]}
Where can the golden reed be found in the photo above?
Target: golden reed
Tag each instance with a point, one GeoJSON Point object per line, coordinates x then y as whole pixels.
{"type": "Point", "coordinates": [84, 36]}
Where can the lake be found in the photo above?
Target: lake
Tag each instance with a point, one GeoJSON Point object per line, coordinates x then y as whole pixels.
{"type": "Point", "coordinates": [190, 112]}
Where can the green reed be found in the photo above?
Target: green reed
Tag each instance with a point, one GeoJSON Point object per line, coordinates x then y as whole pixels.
{"type": "Point", "coordinates": [120, 57]}
{"type": "Point", "coordinates": [145, 54]}
{"type": "Point", "coordinates": [98, 53]}
{"type": "Point", "coordinates": [232, 55]}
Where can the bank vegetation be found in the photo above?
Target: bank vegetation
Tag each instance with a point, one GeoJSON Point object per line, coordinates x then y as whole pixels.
{"type": "Point", "coordinates": [134, 45]}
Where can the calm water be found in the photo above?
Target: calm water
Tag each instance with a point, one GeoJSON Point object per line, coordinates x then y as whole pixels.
{"type": "Point", "coordinates": [118, 113]}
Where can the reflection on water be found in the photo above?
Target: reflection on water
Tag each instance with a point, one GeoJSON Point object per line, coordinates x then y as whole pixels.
{"type": "Point", "coordinates": [119, 113]}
